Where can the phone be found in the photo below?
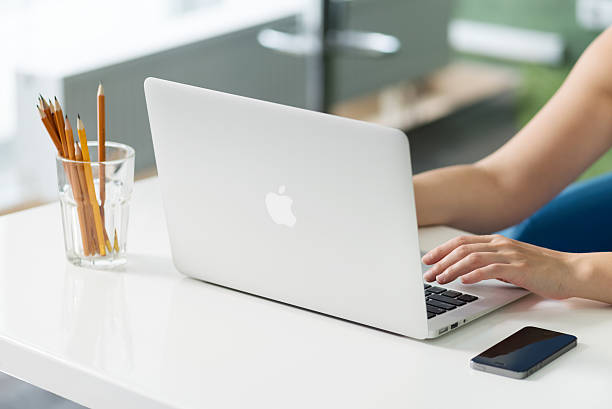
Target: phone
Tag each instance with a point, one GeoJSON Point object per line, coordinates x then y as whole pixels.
{"type": "Point", "coordinates": [524, 352]}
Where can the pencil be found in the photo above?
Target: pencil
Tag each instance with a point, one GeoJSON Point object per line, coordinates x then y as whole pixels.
{"type": "Point", "coordinates": [45, 106]}
{"type": "Point", "coordinates": [77, 191]}
{"type": "Point", "coordinates": [90, 225]}
{"type": "Point", "coordinates": [50, 130]}
{"type": "Point", "coordinates": [102, 146]}
{"type": "Point", "coordinates": [105, 234]}
{"type": "Point", "coordinates": [116, 245]}
{"type": "Point", "coordinates": [90, 186]}
{"type": "Point", "coordinates": [52, 109]}
{"type": "Point", "coordinates": [51, 121]}
{"type": "Point", "coordinates": [59, 123]}
{"type": "Point", "coordinates": [69, 138]}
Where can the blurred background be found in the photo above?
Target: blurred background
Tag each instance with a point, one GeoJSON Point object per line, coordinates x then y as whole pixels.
{"type": "Point", "coordinates": [460, 77]}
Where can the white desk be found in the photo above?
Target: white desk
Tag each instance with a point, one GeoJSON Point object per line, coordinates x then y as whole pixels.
{"type": "Point", "coordinates": [151, 338]}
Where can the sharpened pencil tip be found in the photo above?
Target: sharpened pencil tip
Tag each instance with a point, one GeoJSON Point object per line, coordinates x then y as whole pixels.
{"type": "Point", "coordinates": [100, 88]}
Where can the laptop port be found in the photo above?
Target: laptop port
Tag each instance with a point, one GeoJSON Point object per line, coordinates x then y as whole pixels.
{"type": "Point", "coordinates": [453, 326]}
{"type": "Point", "coordinates": [443, 330]}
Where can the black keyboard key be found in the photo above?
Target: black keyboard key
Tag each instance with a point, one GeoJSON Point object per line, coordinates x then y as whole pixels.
{"type": "Point", "coordinates": [427, 286]}
{"type": "Point", "coordinates": [435, 310]}
{"type": "Point", "coordinates": [436, 290]}
{"type": "Point", "coordinates": [440, 304]}
{"type": "Point", "coordinates": [428, 293]}
{"type": "Point", "coordinates": [430, 315]}
{"type": "Point", "coordinates": [451, 293]}
{"type": "Point", "coordinates": [467, 298]}
{"type": "Point", "coordinates": [447, 299]}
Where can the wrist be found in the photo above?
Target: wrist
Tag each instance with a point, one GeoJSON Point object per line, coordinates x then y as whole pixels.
{"type": "Point", "coordinates": [580, 273]}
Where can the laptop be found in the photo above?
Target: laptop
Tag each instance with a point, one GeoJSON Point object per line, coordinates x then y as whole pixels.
{"type": "Point", "coordinates": [309, 209]}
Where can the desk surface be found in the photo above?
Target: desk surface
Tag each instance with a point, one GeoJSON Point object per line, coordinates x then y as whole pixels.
{"type": "Point", "coordinates": [148, 337]}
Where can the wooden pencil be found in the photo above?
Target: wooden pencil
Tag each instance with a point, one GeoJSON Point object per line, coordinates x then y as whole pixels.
{"type": "Point", "coordinates": [90, 186]}
{"type": "Point", "coordinates": [59, 123]}
{"type": "Point", "coordinates": [52, 116]}
{"type": "Point", "coordinates": [116, 244]}
{"type": "Point", "coordinates": [105, 234]}
{"type": "Point", "coordinates": [85, 220]}
{"type": "Point", "coordinates": [90, 226]}
{"type": "Point", "coordinates": [89, 247]}
{"type": "Point", "coordinates": [50, 130]}
{"type": "Point", "coordinates": [90, 214]}
{"type": "Point", "coordinates": [45, 106]}
{"type": "Point", "coordinates": [102, 146]}
{"type": "Point", "coordinates": [69, 138]}
{"type": "Point", "coordinates": [51, 120]}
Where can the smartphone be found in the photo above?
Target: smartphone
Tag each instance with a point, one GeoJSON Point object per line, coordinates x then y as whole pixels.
{"type": "Point", "coordinates": [524, 352]}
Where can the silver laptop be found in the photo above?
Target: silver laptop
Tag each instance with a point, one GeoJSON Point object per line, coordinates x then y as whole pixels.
{"type": "Point", "coordinates": [301, 207]}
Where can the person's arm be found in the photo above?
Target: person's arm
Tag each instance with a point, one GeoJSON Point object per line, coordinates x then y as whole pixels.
{"type": "Point", "coordinates": [570, 132]}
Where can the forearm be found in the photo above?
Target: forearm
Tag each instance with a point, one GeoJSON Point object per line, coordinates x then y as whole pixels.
{"type": "Point", "coordinates": [558, 144]}
{"type": "Point", "coordinates": [466, 197]}
{"type": "Point", "coordinates": [591, 276]}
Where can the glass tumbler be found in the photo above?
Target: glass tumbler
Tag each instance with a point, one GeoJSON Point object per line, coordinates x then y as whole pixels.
{"type": "Point", "coordinates": [94, 198]}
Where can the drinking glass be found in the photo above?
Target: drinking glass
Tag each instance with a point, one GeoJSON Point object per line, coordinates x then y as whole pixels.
{"type": "Point", "coordinates": [94, 198]}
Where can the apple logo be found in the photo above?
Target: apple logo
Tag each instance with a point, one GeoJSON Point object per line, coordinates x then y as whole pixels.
{"type": "Point", "coordinates": [279, 207]}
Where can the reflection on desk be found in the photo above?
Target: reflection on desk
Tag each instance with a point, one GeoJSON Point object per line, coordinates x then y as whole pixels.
{"type": "Point", "coordinates": [96, 328]}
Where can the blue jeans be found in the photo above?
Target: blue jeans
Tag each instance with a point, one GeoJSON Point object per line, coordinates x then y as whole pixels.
{"type": "Point", "coordinates": [579, 219]}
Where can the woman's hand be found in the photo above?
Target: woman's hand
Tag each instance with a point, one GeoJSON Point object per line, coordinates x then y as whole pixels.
{"type": "Point", "coordinates": [475, 258]}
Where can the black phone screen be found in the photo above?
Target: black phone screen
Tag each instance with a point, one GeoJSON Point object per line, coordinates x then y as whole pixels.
{"type": "Point", "coordinates": [524, 349]}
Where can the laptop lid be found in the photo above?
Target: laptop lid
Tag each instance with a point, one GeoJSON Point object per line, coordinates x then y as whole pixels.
{"type": "Point", "coordinates": [301, 207]}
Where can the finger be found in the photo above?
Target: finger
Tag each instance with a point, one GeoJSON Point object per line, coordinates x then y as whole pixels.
{"type": "Point", "coordinates": [468, 264]}
{"type": "Point", "coordinates": [501, 271]}
{"type": "Point", "coordinates": [438, 253]}
{"type": "Point", "coordinates": [455, 256]}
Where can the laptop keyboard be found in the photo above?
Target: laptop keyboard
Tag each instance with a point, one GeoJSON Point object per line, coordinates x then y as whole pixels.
{"type": "Point", "coordinates": [439, 300]}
